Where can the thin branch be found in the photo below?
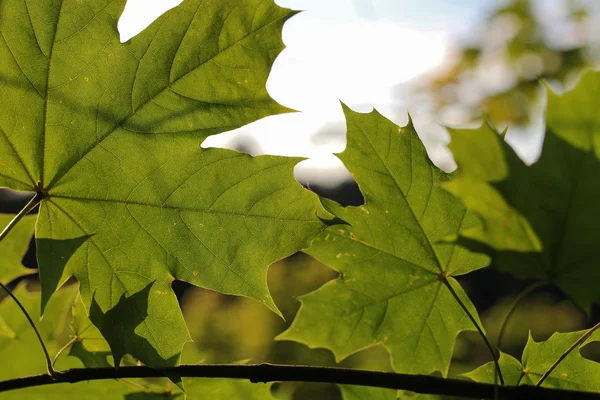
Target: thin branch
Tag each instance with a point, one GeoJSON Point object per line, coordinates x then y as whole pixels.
{"type": "Point", "coordinates": [513, 307]}
{"type": "Point", "coordinates": [582, 339]}
{"type": "Point", "coordinates": [30, 206]}
{"type": "Point", "coordinates": [479, 329]}
{"type": "Point", "coordinates": [49, 367]}
{"type": "Point", "coordinates": [298, 373]}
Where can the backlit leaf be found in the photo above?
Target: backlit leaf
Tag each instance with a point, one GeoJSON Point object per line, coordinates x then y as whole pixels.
{"type": "Point", "coordinates": [26, 358]}
{"type": "Point", "coordinates": [574, 372]}
{"type": "Point", "coordinates": [511, 371]}
{"type": "Point", "coordinates": [393, 258]}
{"type": "Point", "coordinates": [109, 133]}
{"type": "Point", "coordinates": [539, 221]}
{"type": "Point", "coordinates": [14, 246]}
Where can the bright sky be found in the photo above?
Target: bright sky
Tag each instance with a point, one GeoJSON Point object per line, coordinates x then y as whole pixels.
{"type": "Point", "coordinates": [355, 51]}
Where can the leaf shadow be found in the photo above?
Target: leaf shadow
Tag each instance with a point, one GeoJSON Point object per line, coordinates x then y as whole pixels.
{"type": "Point", "coordinates": [118, 325]}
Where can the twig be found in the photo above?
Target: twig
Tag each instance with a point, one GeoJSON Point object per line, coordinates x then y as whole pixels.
{"type": "Point", "coordinates": [285, 373]}
{"type": "Point", "coordinates": [582, 339]}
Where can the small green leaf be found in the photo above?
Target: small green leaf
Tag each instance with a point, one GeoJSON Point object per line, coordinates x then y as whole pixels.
{"type": "Point", "coordinates": [573, 373]}
{"type": "Point", "coordinates": [54, 255]}
{"type": "Point", "coordinates": [393, 259]}
{"type": "Point", "coordinates": [538, 219]}
{"type": "Point", "coordinates": [511, 371]}
{"type": "Point", "coordinates": [14, 246]}
{"type": "Point", "coordinates": [22, 356]}
{"type": "Point", "coordinates": [90, 347]}
{"type": "Point", "coordinates": [121, 327]}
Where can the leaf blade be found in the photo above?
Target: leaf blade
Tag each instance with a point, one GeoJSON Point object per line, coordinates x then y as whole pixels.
{"type": "Point", "coordinates": [392, 260]}
{"type": "Point", "coordinates": [112, 132]}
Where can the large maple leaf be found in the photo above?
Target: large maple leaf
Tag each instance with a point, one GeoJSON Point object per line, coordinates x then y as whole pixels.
{"type": "Point", "coordinates": [109, 134]}
{"type": "Point", "coordinates": [396, 269]}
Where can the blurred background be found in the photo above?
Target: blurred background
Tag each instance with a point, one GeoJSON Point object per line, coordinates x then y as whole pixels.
{"type": "Point", "coordinates": [446, 63]}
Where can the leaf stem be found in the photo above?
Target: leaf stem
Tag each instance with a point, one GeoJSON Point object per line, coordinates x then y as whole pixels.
{"type": "Point", "coordinates": [49, 367]}
{"type": "Point", "coordinates": [66, 346]}
{"type": "Point", "coordinates": [425, 384]}
{"type": "Point", "coordinates": [513, 307]}
{"type": "Point", "coordinates": [479, 329]}
{"type": "Point", "coordinates": [582, 339]}
{"type": "Point", "coordinates": [30, 206]}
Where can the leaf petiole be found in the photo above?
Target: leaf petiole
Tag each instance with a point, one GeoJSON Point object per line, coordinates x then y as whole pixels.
{"type": "Point", "coordinates": [485, 339]}
{"type": "Point", "coordinates": [51, 371]}
{"type": "Point", "coordinates": [30, 206]}
{"type": "Point", "coordinates": [65, 347]}
{"type": "Point", "coordinates": [513, 307]}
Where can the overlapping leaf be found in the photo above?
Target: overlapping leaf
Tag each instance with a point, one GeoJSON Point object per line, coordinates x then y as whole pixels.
{"type": "Point", "coordinates": [574, 372]}
{"type": "Point", "coordinates": [14, 246]}
{"type": "Point", "coordinates": [110, 135]}
{"type": "Point", "coordinates": [393, 259]}
{"type": "Point", "coordinates": [23, 356]}
{"type": "Point", "coordinates": [539, 221]}
{"type": "Point", "coordinates": [26, 358]}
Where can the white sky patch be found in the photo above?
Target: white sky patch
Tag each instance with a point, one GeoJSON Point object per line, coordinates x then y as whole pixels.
{"type": "Point", "coordinates": [357, 62]}
{"type": "Point", "coordinates": [329, 57]}
{"type": "Point", "coordinates": [138, 14]}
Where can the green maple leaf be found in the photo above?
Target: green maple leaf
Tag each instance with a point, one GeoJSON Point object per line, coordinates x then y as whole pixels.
{"type": "Point", "coordinates": [90, 346]}
{"type": "Point", "coordinates": [27, 358]}
{"type": "Point", "coordinates": [392, 260]}
{"type": "Point", "coordinates": [25, 354]}
{"type": "Point", "coordinates": [574, 372]}
{"type": "Point", "coordinates": [512, 369]}
{"type": "Point", "coordinates": [539, 220]}
{"type": "Point", "coordinates": [109, 134]}
{"type": "Point", "coordinates": [14, 247]}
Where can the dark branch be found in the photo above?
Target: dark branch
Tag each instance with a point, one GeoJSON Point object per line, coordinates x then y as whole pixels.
{"type": "Point", "coordinates": [279, 373]}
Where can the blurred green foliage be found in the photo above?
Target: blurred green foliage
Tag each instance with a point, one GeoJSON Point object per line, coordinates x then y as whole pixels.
{"type": "Point", "coordinates": [229, 329]}
{"type": "Point", "coordinates": [499, 69]}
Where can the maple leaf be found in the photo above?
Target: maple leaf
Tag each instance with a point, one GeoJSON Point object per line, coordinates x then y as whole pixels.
{"type": "Point", "coordinates": [25, 354]}
{"type": "Point", "coordinates": [109, 134]}
{"type": "Point", "coordinates": [574, 372]}
{"type": "Point", "coordinates": [538, 221]}
{"type": "Point", "coordinates": [14, 246]}
{"type": "Point", "coordinates": [392, 260]}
